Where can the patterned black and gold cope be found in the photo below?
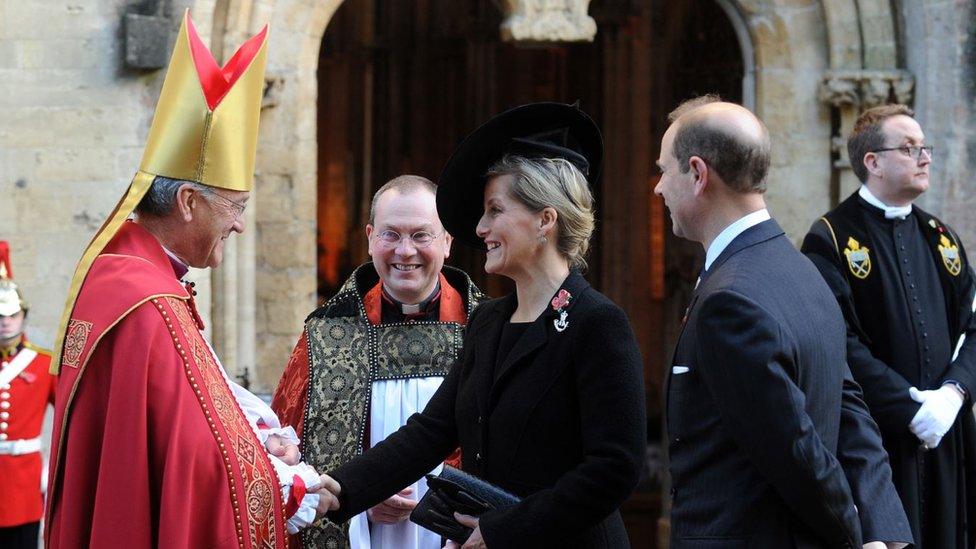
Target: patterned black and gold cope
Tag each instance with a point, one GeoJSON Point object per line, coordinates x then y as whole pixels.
{"type": "Point", "coordinates": [347, 354]}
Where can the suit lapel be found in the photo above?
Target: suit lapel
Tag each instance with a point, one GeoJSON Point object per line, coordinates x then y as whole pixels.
{"type": "Point", "coordinates": [486, 346]}
{"type": "Point", "coordinates": [677, 347]}
{"type": "Point", "coordinates": [756, 234]}
{"type": "Point", "coordinates": [535, 337]}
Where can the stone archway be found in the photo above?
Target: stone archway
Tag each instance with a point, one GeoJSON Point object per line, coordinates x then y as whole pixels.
{"type": "Point", "coordinates": [862, 74]}
{"type": "Point", "coordinates": [285, 259]}
{"type": "Point", "coordinates": [795, 48]}
{"type": "Point", "coordinates": [790, 44]}
{"type": "Point", "coordinates": [266, 286]}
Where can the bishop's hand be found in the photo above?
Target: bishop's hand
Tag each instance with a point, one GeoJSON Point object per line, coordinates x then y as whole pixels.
{"type": "Point", "coordinates": [328, 495]}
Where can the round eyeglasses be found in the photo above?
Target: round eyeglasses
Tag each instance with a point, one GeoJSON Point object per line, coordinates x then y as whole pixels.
{"type": "Point", "coordinates": [420, 239]}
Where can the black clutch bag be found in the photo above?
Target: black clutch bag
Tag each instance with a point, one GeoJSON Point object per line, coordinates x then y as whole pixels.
{"type": "Point", "coordinates": [456, 491]}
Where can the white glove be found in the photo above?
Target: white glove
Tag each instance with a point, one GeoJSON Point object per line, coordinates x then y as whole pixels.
{"type": "Point", "coordinates": [937, 414]}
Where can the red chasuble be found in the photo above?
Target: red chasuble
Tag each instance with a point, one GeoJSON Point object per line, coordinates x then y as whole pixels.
{"type": "Point", "coordinates": [150, 447]}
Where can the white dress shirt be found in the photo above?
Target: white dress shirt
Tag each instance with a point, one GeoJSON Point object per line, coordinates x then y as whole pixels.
{"type": "Point", "coordinates": [729, 233]}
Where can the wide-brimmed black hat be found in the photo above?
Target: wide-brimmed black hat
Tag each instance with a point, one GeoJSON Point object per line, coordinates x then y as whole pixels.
{"type": "Point", "coordinates": [536, 130]}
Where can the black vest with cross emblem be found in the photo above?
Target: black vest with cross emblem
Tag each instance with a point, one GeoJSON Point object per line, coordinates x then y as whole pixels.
{"type": "Point", "coordinates": [854, 246]}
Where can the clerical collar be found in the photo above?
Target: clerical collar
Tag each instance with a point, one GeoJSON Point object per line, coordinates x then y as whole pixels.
{"type": "Point", "coordinates": [411, 309]}
{"type": "Point", "coordinates": [179, 267]}
{"type": "Point", "coordinates": [729, 233]}
{"type": "Point", "coordinates": [890, 212]}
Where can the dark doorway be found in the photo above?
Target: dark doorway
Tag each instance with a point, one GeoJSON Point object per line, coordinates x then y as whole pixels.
{"type": "Point", "coordinates": [401, 83]}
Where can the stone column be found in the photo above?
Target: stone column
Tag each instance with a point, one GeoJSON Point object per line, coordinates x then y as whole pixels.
{"type": "Point", "coordinates": [246, 297]}
{"type": "Point", "coordinates": [852, 92]}
{"type": "Point", "coordinates": [234, 290]}
{"type": "Point", "coordinates": [224, 280]}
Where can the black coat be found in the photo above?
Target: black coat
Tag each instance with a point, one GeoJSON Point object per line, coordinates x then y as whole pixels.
{"type": "Point", "coordinates": [770, 443]}
{"type": "Point", "coordinates": [905, 315]}
{"type": "Point", "coordinates": [560, 422]}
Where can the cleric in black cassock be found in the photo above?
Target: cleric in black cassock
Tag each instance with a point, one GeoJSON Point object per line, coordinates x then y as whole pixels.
{"type": "Point", "coordinates": [906, 289]}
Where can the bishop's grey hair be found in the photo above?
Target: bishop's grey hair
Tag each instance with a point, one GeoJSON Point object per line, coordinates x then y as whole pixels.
{"type": "Point", "coordinates": [161, 196]}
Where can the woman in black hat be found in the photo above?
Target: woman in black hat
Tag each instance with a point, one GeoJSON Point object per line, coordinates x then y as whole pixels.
{"type": "Point", "coordinates": [547, 401]}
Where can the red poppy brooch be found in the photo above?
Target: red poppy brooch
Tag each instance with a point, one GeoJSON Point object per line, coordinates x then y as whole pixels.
{"type": "Point", "coordinates": [559, 304]}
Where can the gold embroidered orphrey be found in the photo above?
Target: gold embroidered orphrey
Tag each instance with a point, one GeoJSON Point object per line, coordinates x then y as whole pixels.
{"type": "Point", "coordinates": [255, 518]}
{"type": "Point", "coordinates": [950, 256]}
{"type": "Point", "coordinates": [75, 340]}
{"type": "Point", "coordinates": [858, 258]}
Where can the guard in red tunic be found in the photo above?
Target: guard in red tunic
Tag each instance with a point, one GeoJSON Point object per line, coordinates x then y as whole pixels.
{"type": "Point", "coordinates": [26, 389]}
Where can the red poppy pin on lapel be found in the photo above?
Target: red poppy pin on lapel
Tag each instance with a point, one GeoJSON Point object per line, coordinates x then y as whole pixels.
{"type": "Point", "coordinates": [559, 304]}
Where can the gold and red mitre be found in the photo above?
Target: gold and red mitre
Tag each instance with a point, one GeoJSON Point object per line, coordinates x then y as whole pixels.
{"type": "Point", "coordinates": [205, 130]}
{"type": "Point", "coordinates": [11, 299]}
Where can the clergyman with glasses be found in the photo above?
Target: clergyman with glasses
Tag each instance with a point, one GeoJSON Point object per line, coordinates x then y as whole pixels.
{"type": "Point", "coordinates": [374, 354]}
{"type": "Point", "coordinates": [906, 289]}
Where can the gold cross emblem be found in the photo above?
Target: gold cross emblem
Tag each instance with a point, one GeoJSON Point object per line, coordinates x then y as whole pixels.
{"type": "Point", "coordinates": [950, 256]}
{"type": "Point", "coordinates": [858, 258]}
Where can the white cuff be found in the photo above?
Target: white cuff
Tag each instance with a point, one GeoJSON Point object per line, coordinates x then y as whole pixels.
{"type": "Point", "coordinates": [305, 514]}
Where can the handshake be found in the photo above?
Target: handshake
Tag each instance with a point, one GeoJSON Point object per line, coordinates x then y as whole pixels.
{"type": "Point", "coordinates": [394, 509]}
{"type": "Point", "coordinates": [287, 460]}
{"type": "Point", "coordinates": [328, 492]}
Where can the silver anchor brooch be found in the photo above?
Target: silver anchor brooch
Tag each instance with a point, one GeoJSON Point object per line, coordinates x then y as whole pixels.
{"type": "Point", "coordinates": [559, 304]}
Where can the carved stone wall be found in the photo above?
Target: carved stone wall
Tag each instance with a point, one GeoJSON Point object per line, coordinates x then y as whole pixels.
{"type": "Point", "coordinates": [75, 119]}
{"type": "Point", "coordinates": [72, 129]}
{"type": "Point", "coordinates": [939, 47]}
{"type": "Point", "coordinates": [850, 92]}
{"type": "Point", "coordinates": [547, 21]}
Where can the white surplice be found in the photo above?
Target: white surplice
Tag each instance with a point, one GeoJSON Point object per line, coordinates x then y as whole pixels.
{"type": "Point", "coordinates": [391, 403]}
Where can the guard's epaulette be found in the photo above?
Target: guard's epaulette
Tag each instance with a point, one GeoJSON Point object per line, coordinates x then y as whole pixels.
{"type": "Point", "coordinates": [36, 349]}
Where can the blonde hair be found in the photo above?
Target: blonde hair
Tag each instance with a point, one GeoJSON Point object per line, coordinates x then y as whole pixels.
{"type": "Point", "coordinates": [555, 183]}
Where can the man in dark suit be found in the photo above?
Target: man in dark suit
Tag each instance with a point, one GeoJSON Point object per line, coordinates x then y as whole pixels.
{"type": "Point", "coordinates": [770, 442]}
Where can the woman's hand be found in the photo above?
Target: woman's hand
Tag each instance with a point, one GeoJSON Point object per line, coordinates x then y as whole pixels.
{"type": "Point", "coordinates": [475, 541]}
{"type": "Point", "coordinates": [394, 509]}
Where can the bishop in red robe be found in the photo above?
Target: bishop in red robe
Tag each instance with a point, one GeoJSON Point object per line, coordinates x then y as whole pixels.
{"type": "Point", "coordinates": [153, 449]}
{"type": "Point", "coordinates": [154, 446]}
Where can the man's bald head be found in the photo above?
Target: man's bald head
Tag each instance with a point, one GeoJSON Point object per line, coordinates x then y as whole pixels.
{"type": "Point", "coordinates": [403, 184]}
{"type": "Point", "coordinates": [729, 138]}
